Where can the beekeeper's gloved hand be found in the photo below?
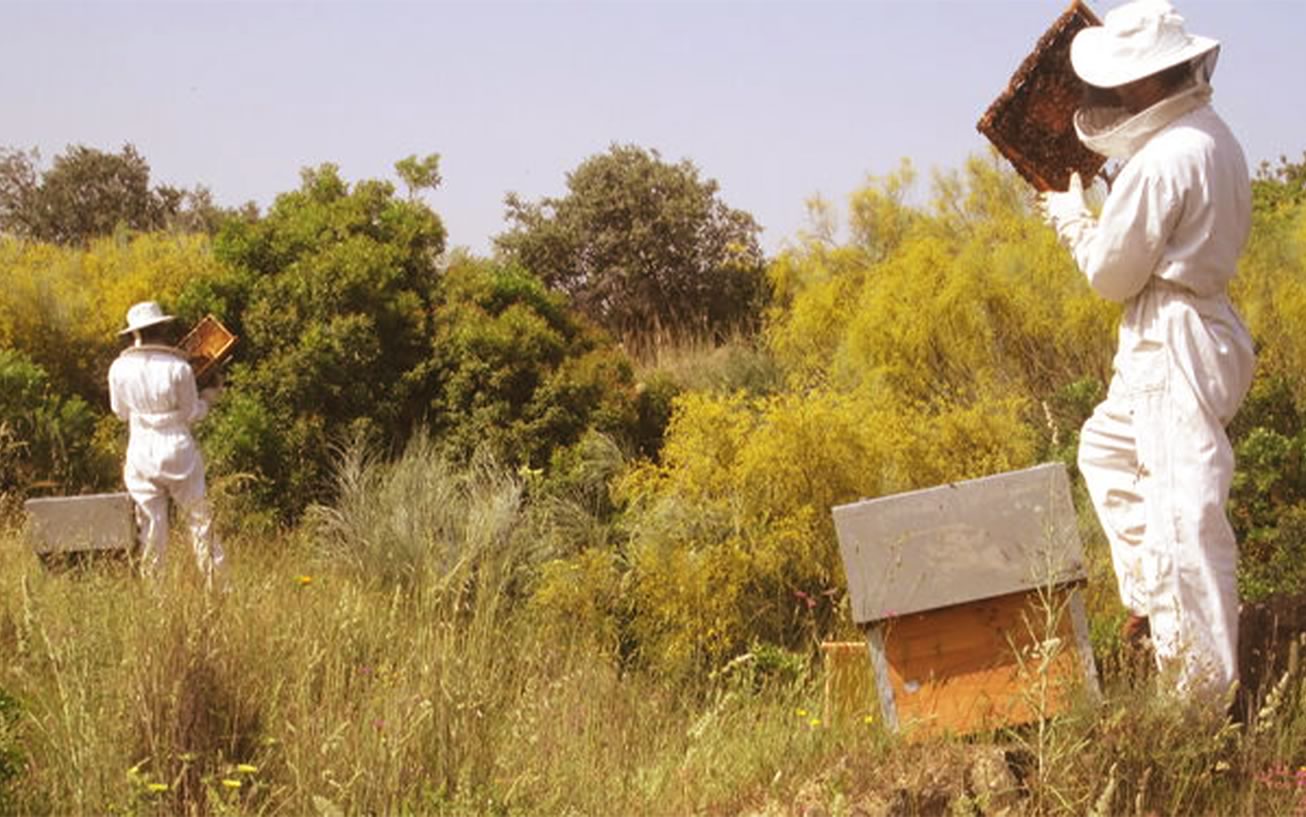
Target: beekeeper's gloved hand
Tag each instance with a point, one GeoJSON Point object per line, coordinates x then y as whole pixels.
{"type": "Point", "coordinates": [211, 394]}
{"type": "Point", "coordinates": [1068, 213]}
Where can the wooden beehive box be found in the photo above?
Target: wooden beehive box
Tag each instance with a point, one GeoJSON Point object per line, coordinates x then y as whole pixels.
{"type": "Point", "coordinates": [206, 346]}
{"type": "Point", "coordinates": [1032, 120]}
{"type": "Point", "coordinates": [968, 594]}
{"type": "Point", "coordinates": [76, 524]}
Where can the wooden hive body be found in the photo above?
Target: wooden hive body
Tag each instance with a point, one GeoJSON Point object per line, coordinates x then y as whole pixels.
{"type": "Point", "coordinates": [969, 598]}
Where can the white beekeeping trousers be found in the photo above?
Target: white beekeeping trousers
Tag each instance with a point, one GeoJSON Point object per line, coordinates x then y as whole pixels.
{"type": "Point", "coordinates": [151, 495]}
{"type": "Point", "coordinates": [1158, 466]}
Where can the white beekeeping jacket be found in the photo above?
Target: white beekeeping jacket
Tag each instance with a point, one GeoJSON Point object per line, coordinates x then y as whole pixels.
{"type": "Point", "coordinates": [152, 388]}
{"type": "Point", "coordinates": [1167, 243]}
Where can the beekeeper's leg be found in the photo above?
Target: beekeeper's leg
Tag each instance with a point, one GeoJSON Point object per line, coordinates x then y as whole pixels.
{"type": "Point", "coordinates": [1195, 603]}
{"type": "Point", "coordinates": [151, 529]}
{"type": "Point", "coordinates": [194, 505]}
{"type": "Point", "coordinates": [151, 501]}
{"type": "Point", "coordinates": [1117, 486]}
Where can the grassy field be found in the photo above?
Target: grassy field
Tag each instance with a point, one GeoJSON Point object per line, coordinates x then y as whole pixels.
{"type": "Point", "coordinates": [385, 658]}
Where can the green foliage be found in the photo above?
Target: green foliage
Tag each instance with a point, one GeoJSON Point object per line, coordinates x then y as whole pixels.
{"type": "Point", "coordinates": [419, 520]}
{"type": "Point", "coordinates": [976, 298]}
{"type": "Point", "coordinates": [332, 294]}
{"type": "Point", "coordinates": [730, 535]}
{"type": "Point", "coordinates": [63, 307]}
{"type": "Point", "coordinates": [45, 437]}
{"type": "Point", "coordinates": [1279, 188]}
{"type": "Point", "coordinates": [517, 373]}
{"type": "Point", "coordinates": [645, 248]}
{"type": "Point", "coordinates": [11, 755]}
{"type": "Point", "coordinates": [937, 345]}
{"type": "Point", "coordinates": [89, 193]}
{"type": "Point", "coordinates": [1273, 562]}
{"type": "Point", "coordinates": [419, 174]}
{"type": "Point", "coordinates": [1269, 487]}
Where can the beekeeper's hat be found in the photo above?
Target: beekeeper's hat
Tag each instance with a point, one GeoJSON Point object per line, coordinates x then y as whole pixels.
{"type": "Point", "coordinates": [1136, 40]}
{"type": "Point", "coordinates": [143, 314]}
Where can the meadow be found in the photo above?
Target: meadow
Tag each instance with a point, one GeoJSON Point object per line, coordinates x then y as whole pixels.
{"type": "Point", "coordinates": [316, 686]}
{"type": "Point", "coordinates": [508, 536]}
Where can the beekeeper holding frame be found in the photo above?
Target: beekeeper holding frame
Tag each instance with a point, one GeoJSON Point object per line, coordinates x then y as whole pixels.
{"type": "Point", "coordinates": [1154, 454]}
{"type": "Point", "coordinates": [152, 389]}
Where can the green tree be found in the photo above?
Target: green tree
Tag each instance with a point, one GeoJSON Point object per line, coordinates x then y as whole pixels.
{"type": "Point", "coordinates": [645, 248]}
{"type": "Point", "coordinates": [88, 193]}
{"type": "Point", "coordinates": [419, 174]}
{"type": "Point", "coordinates": [519, 373]}
{"type": "Point", "coordinates": [46, 438]}
{"type": "Point", "coordinates": [332, 295]}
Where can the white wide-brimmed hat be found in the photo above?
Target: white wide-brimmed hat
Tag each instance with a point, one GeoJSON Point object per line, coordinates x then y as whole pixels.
{"type": "Point", "coordinates": [143, 314]}
{"type": "Point", "coordinates": [1135, 40]}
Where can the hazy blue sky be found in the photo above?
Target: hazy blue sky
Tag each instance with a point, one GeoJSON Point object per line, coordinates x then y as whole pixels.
{"type": "Point", "coordinates": [776, 100]}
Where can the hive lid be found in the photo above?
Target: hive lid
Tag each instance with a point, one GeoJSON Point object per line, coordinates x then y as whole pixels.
{"type": "Point", "coordinates": [76, 523]}
{"type": "Point", "coordinates": [960, 542]}
{"type": "Point", "coordinates": [1032, 120]}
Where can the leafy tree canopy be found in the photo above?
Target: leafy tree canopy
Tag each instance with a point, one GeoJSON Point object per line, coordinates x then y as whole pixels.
{"type": "Point", "coordinates": [518, 372]}
{"type": "Point", "coordinates": [332, 295]}
{"type": "Point", "coordinates": [46, 439]}
{"type": "Point", "coordinates": [88, 193]}
{"type": "Point", "coordinates": [645, 248]}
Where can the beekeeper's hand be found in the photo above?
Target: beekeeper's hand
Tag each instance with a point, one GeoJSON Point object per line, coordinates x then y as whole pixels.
{"type": "Point", "coordinates": [211, 394]}
{"type": "Point", "coordinates": [1067, 213]}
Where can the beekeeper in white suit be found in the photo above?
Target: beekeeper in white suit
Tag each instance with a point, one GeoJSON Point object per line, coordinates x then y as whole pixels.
{"type": "Point", "coordinates": [152, 388]}
{"type": "Point", "coordinates": [1154, 454]}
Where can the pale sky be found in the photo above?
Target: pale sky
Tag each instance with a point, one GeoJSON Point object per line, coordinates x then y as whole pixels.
{"type": "Point", "coordinates": [778, 100]}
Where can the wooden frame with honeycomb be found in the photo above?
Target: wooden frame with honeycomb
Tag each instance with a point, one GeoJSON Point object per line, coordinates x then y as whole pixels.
{"type": "Point", "coordinates": [1032, 122]}
{"type": "Point", "coordinates": [206, 346]}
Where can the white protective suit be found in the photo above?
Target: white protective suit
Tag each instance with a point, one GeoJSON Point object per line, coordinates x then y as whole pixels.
{"type": "Point", "coordinates": [1154, 454]}
{"type": "Point", "coordinates": [152, 388]}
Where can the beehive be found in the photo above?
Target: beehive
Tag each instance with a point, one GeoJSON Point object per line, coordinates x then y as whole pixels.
{"type": "Point", "coordinates": [969, 597]}
{"type": "Point", "coordinates": [1031, 122]}
{"type": "Point", "coordinates": [206, 346]}
{"type": "Point", "coordinates": [71, 524]}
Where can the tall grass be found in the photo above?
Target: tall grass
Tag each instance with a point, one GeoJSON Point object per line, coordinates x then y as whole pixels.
{"type": "Point", "coordinates": [384, 659]}
{"type": "Point", "coordinates": [321, 685]}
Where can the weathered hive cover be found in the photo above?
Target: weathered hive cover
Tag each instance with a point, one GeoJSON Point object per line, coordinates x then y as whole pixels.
{"type": "Point", "coordinates": [958, 543]}
{"type": "Point", "coordinates": [78, 523]}
{"type": "Point", "coordinates": [1032, 120]}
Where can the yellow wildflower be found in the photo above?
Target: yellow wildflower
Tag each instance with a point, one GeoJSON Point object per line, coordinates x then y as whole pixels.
{"type": "Point", "coordinates": [304, 581]}
{"type": "Point", "coordinates": [246, 768]}
{"type": "Point", "coordinates": [157, 787]}
{"type": "Point", "coordinates": [231, 784]}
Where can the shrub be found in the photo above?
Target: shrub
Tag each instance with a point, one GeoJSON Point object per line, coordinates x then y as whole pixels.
{"type": "Point", "coordinates": [331, 293]}
{"type": "Point", "coordinates": [420, 520]}
{"type": "Point", "coordinates": [519, 374]}
{"type": "Point", "coordinates": [47, 439]}
{"type": "Point", "coordinates": [730, 536]}
{"type": "Point", "coordinates": [63, 307]}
